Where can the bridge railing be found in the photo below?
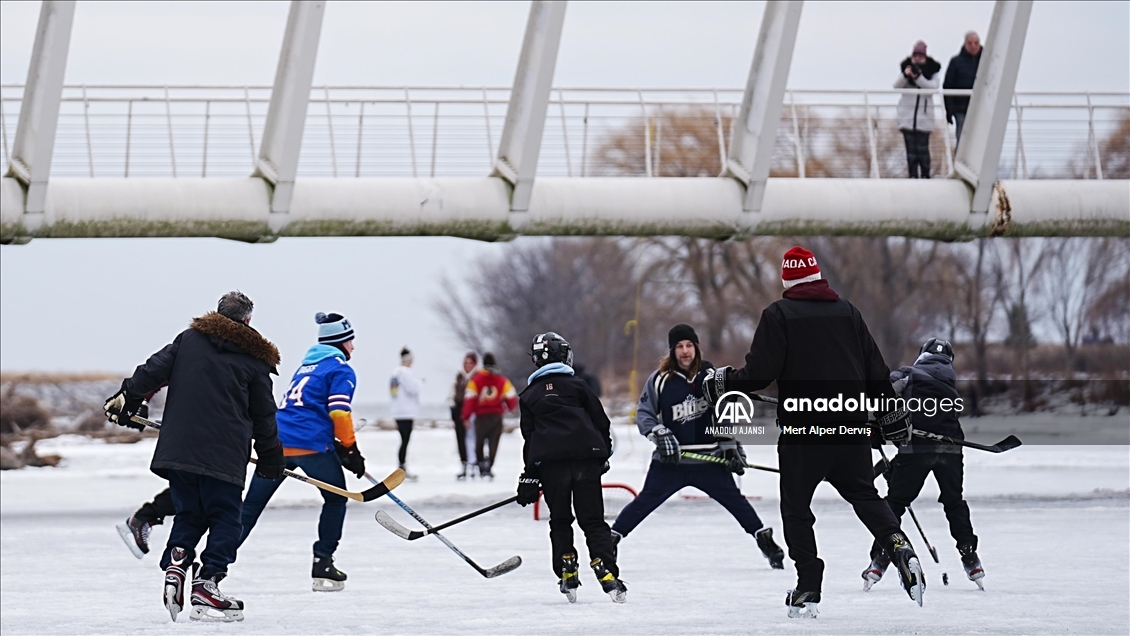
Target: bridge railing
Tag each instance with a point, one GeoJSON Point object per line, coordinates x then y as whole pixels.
{"type": "Point", "coordinates": [422, 131]}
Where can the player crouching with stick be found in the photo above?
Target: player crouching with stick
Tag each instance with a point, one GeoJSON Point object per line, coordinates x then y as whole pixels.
{"type": "Point", "coordinates": [567, 445]}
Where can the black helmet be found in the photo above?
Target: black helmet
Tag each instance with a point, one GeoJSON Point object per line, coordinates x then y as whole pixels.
{"type": "Point", "coordinates": [936, 346]}
{"type": "Point", "coordinates": [550, 347]}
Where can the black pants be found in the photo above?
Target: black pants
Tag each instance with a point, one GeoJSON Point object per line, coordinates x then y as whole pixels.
{"type": "Point", "coordinates": [664, 480]}
{"type": "Point", "coordinates": [405, 428]}
{"type": "Point", "coordinates": [848, 468]}
{"type": "Point", "coordinates": [908, 474]}
{"type": "Point", "coordinates": [917, 153]}
{"type": "Point", "coordinates": [460, 431]}
{"type": "Point", "coordinates": [205, 504]}
{"type": "Point", "coordinates": [154, 512]}
{"type": "Point", "coordinates": [488, 431]}
{"type": "Point", "coordinates": [574, 485]}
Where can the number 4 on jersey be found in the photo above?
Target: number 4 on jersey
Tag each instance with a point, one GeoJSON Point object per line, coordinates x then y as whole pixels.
{"type": "Point", "coordinates": [294, 393]}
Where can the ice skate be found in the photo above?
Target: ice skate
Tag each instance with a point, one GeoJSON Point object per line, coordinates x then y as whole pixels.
{"type": "Point", "coordinates": [211, 605]}
{"type": "Point", "coordinates": [462, 476]}
{"type": "Point", "coordinates": [407, 475]}
{"type": "Point", "coordinates": [327, 578]}
{"type": "Point", "coordinates": [874, 572]}
{"type": "Point", "coordinates": [611, 585]}
{"type": "Point", "coordinates": [484, 470]}
{"type": "Point", "coordinates": [570, 578]}
{"type": "Point", "coordinates": [972, 565]}
{"type": "Point", "coordinates": [909, 568]}
{"type": "Point", "coordinates": [174, 582]}
{"type": "Point", "coordinates": [802, 604]}
{"type": "Point", "coordinates": [136, 536]}
{"type": "Point", "coordinates": [770, 549]}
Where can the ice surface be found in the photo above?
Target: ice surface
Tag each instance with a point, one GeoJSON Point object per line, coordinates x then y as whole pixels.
{"type": "Point", "coordinates": [1054, 525]}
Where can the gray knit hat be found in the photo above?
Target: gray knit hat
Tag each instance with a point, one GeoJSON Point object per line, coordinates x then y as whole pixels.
{"type": "Point", "coordinates": [333, 328]}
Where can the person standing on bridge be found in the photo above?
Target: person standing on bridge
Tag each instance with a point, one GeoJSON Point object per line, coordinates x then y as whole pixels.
{"type": "Point", "coordinates": [961, 73]}
{"type": "Point", "coordinates": [916, 112]}
{"type": "Point", "coordinates": [674, 415]}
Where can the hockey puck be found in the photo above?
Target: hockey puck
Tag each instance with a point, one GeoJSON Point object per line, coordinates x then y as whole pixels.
{"type": "Point", "coordinates": [945, 579]}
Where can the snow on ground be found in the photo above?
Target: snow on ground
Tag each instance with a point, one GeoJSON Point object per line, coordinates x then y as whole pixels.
{"type": "Point", "coordinates": [1054, 523]}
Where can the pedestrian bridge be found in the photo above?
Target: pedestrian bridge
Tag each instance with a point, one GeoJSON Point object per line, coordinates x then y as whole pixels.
{"type": "Point", "coordinates": [254, 163]}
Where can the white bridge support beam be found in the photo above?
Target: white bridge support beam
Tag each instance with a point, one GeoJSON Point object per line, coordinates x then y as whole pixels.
{"type": "Point", "coordinates": [979, 150]}
{"type": "Point", "coordinates": [518, 150]}
{"type": "Point", "coordinates": [30, 162]}
{"type": "Point", "coordinates": [286, 115]}
{"type": "Point", "coordinates": [755, 131]}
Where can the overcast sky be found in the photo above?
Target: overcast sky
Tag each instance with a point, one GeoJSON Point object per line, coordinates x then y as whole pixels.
{"type": "Point", "coordinates": [103, 305]}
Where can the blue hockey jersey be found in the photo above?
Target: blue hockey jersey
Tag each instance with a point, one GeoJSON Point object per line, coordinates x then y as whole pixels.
{"type": "Point", "coordinates": [325, 382]}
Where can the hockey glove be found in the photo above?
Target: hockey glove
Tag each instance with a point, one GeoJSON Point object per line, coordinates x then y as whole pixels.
{"type": "Point", "coordinates": [271, 463]}
{"type": "Point", "coordinates": [351, 458]}
{"type": "Point", "coordinates": [528, 490]}
{"type": "Point", "coordinates": [895, 426]}
{"type": "Point", "coordinates": [666, 444]}
{"type": "Point", "coordinates": [734, 455]}
{"type": "Point", "coordinates": [123, 405]}
{"type": "Point", "coordinates": [714, 384]}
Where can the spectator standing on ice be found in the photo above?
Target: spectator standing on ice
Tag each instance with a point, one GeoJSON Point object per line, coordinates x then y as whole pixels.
{"type": "Point", "coordinates": [590, 379]}
{"type": "Point", "coordinates": [470, 362]}
{"type": "Point", "coordinates": [932, 378]}
{"type": "Point", "coordinates": [961, 73]}
{"type": "Point", "coordinates": [816, 346]}
{"type": "Point", "coordinates": [220, 404]}
{"type": "Point", "coordinates": [316, 429]}
{"type": "Point", "coordinates": [404, 388]}
{"type": "Point", "coordinates": [489, 394]}
{"type": "Point", "coordinates": [674, 415]}
{"type": "Point", "coordinates": [916, 112]}
{"type": "Point", "coordinates": [567, 444]}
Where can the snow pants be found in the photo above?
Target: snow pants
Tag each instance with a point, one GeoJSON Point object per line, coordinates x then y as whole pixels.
{"type": "Point", "coordinates": [664, 480]}
{"type": "Point", "coordinates": [574, 485]}
{"type": "Point", "coordinates": [908, 475]}
{"type": "Point", "coordinates": [204, 504]}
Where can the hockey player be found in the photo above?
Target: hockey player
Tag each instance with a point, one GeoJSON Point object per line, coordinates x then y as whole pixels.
{"type": "Point", "coordinates": [931, 377]}
{"type": "Point", "coordinates": [316, 429]}
{"type": "Point", "coordinates": [816, 346]}
{"type": "Point", "coordinates": [673, 414]}
{"type": "Point", "coordinates": [220, 402]}
{"type": "Point", "coordinates": [567, 445]}
{"type": "Point", "coordinates": [489, 394]}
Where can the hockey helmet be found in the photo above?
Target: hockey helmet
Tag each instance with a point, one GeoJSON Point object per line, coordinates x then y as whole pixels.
{"type": "Point", "coordinates": [937, 346]}
{"type": "Point", "coordinates": [550, 347]}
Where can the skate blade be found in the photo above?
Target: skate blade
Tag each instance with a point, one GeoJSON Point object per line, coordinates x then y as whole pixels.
{"type": "Point", "coordinates": [208, 614]}
{"type": "Point", "coordinates": [571, 596]}
{"type": "Point", "coordinates": [170, 604]}
{"type": "Point", "coordinates": [870, 579]}
{"type": "Point", "coordinates": [810, 610]}
{"type": "Point", "coordinates": [131, 543]}
{"type": "Point", "coordinates": [980, 585]}
{"type": "Point", "coordinates": [919, 588]}
{"type": "Point", "coordinates": [327, 585]}
{"type": "Point", "coordinates": [619, 596]}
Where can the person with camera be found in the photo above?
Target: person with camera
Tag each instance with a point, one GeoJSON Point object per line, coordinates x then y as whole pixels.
{"type": "Point", "coordinates": [817, 347]}
{"type": "Point", "coordinates": [916, 112]}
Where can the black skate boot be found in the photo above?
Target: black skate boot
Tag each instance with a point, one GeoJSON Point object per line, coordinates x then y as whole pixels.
{"type": "Point", "coordinates": [210, 604]}
{"type": "Point", "coordinates": [136, 535]}
{"type": "Point", "coordinates": [570, 578]}
{"type": "Point", "coordinates": [874, 572]}
{"type": "Point", "coordinates": [972, 564]}
{"type": "Point", "coordinates": [770, 549]}
{"type": "Point", "coordinates": [175, 576]}
{"type": "Point", "coordinates": [462, 476]}
{"type": "Point", "coordinates": [802, 604]}
{"type": "Point", "coordinates": [327, 578]}
{"type": "Point", "coordinates": [485, 470]}
{"type": "Point", "coordinates": [611, 585]}
{"type": "Point", "coordinates": [908, 566]}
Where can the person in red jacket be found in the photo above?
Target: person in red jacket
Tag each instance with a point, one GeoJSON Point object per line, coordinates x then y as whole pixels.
{"type": "Point", "coordinates": [488, 395]}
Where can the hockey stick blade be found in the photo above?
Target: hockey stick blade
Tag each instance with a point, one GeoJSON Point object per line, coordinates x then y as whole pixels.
{"type": "Point", "coordinates": [392, 526]}
{"type": "Point", "coordinates": [509, 565]}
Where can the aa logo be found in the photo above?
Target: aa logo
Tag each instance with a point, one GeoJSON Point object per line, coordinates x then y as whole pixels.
{"type": "Point", "coordinates": [733, 408]}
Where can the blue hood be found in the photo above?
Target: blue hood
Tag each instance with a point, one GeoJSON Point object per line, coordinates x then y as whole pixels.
{"type": "Point", "coordinates": [552, 367]}
{"type": "Point", "coordinates": [320, 352]}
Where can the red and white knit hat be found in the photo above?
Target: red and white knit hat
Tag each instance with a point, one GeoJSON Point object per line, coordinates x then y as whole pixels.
{"type": "Point", "coordinates": [799, 266]}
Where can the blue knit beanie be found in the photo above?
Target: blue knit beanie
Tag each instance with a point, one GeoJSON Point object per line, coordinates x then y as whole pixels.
{"type": "Point", "coordinates": [333, 328]}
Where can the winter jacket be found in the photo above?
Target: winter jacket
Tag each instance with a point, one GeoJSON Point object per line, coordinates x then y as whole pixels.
{"type": "Point", "coordinates": [931, 380]}
{"type": "Point", "coordinates": [561, 419]}
{"type": "Point", "coordinates": [960, 73]}
{"type": "Point", "coordinates": [916, 112]}
{"type": "Point", "coordinates": [670, 399]}
{"type": "Point", "coordinates": [318, 405]}
{"type": "Point", "coordinates": [488, 393]}
{"type": "Point", "coordinates": [404, 388]}
{"type": "Point", "coordinates": [220, 398]}
{"type": "Point", "coordinates": [815, 345]}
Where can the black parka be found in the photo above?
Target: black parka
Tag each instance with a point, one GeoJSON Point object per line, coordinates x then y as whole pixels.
{"type": "Point", "coordinates": [960, 73]}
{"type": "Point", "coordinates": [930, 381]}
{"type": "Point", "coordinates": [562, 419]}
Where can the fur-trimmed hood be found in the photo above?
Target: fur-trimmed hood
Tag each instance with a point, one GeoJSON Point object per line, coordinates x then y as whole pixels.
{"type": "Point", "coordinates": [238, 334]}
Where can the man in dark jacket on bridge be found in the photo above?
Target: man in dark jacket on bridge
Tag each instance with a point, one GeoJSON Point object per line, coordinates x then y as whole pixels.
{"type": "Point", "coordinates": [961, 73]}
{"type": "Point", "coordinates": [220, 401]}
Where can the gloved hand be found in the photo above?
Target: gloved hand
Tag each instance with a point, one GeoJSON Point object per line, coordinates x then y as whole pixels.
{"type": "Point", "coordinates": [528, 490]}
{"type": "Point", "coordinates": [734, 455]}
{"type": "Point", "coordinates": [715, 384]}
{"type": "Point", "coordinates": [120, 406]}
{"type": "Point", "coordinates": [270, 463]}
{"type": "Point", "coordinates": [667, 445]}
{"type": "Point", "coordinates": [895, 426]}
{"type": "Point", "coordinates": [949, 118]}
{"type": "Point", "coordinates": [351, 458]}
{"type": "Point", "coordinates": [607, 467]}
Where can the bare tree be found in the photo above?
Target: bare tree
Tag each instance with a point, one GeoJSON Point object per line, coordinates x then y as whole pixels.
{"type": "Point", "coordinates": [1077, 273]}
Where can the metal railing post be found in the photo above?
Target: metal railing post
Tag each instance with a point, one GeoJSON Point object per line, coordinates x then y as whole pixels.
{"type": "Point", "coordinates": [207, 125]}
{"type": "Point", "coordinates": [411, 137]}
{"type": "Point", "coordinates": [585, 141]}
{"type": "Point", "coordinates": [646, 136]}
{"type": "Point", "coordinates": [658, 142]}
{"type": "Point", "coordinates": [486, 118]}
{"type": "Point", "coordinates": [250, 130]}
{"type": "Point", "coordinates": [330, 125]}
{"type": "Point", "coordinates": [129, 133]}
{"type": "Point", "coordinates": [721, 135]}
{"type": "Point", "coordinates": [435, 139]}
{"type": "Point", "coordinates": [169, 120]}
{"type": "Point", "coordinates": [945, 137]}
{"type": "Point", "coordinates": [871, 138]}
{"type": "Point", "coordinates": [86, 125]}
{"type": "Point", "coordinates": [565, 133]}
{"type": "Point", "coordinates": [796, 138]}
{"type": "Point", "coordinates": [1020, 161]}
{"type": "Point", "coordinates": [1094, 139]}
{"type": "Point", "coordinates": [360, 138]}
{"type": "Point", "coordinates": [4, 130]}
